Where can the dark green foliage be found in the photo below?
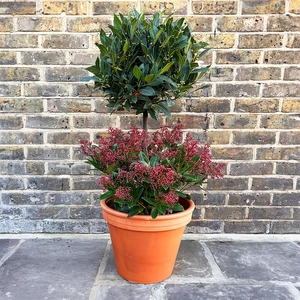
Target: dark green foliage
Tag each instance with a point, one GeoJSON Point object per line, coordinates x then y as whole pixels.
{"type": "Point", "coordinates": [145, 64]}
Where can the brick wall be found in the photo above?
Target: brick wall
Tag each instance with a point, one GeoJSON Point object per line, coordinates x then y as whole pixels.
{"type": "Point", "coordinates": [250, 114]}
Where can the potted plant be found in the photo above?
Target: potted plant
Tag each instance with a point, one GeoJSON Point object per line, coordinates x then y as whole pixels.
{"type": "Point", "coordinates": [144, 65]}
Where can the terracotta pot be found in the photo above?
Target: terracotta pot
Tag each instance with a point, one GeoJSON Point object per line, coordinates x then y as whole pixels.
{"type": "Point", "coordinates": [145, 250]}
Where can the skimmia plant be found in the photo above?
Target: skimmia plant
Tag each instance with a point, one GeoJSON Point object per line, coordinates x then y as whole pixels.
{"type": "Point", "coordinates": [147, 173]}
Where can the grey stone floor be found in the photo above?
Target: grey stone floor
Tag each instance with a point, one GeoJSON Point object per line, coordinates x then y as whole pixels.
{"type": "Point", "coordinates": [207, 268]}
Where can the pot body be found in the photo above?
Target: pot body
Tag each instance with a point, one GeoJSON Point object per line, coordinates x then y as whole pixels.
{"type": "Point", "coordinates": [145, 250]}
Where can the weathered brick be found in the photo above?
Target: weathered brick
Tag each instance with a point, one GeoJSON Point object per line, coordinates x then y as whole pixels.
{"type": "Point", "coordinates": [258, 73]}
{"type": "Point", "coordinates": [281, 57]}
{"type": "Point", "coordinates": [36, 24]}
{"type": "Point", "coordinates": [18, 41]}
{"type": "Point", "coordinates": [221, 74]}
{"type": "Point", "coordinates": [272, 184]}
{"type": "Point", "coordinates": [238, 57]}
{"type": "Point", "coordinates": [12, 168]}
{"type": "Point", "coordinates": [293, 41]}
{"type": "Point", "coordinates": [11, 183]}
{"type": "Point", "coordinates": [285, 227]}
{"type": "Point", "coordinates": [46, 90]}
{"type": "Point", "coordinates": [286, 199]}
{"type": "Point", "coordinates": [65, 74]}
{"type": "Point", "coordinates": [281, 90]}
{"type": "Point", "coordinates": [236, 153]}
{"type": "Point", "coordinates": [204, 227]}
{"type": "Point", "coordinates": [199, 23]}
{"type": "Point", "coordinates": [88, 24]}
{"type": "Point", "coordinates": [245, 227]}
{"type": "Point", "coordinates": [256, 168]}
{"type": "Point", "coordinates": [294, 7]}
{"type": "Point", "coordinates": [68, 7]}
{"type": "Point", "coordinates": [105, 8]}
{"type": "Point", "coordinates": [35, 168]}
{"type": "Point", "coordinates": [47, 153]}
{"type": "Point", "coordinates": [68, 105]}
{"type": "Point", "coordinates": [14, 198]}
{"type": "Point", "coordinates": [235, 121]}
{"type": "Point", "coordinates": [67, 137]}
{"type": "Point", "coordinates": [218, 137]}
{"type": "Point", "coordinates": [296, 214]}
{"type": "Point", "coordinates": [82, 58]}
{"type": "Point", "coordinates": [20, 138]}
{"type": "Point", "coordinates": [127, 120]}
{"type": "Point", "coordinates": [48, 183]}
{"type": "Point", "coordinates": [94, 121]}
{"type": "Point", "coordinates": [75, 198]}
{"type": "Point", "coordinates": [278, 153]}
{"type": "Point", "coordinates": [150, 6]}
{"type": "Point", "coordinates": [224, 213]}
{"type": "Point", "coordinates": [17, 105]}
{"type": "Point", "coordinates": [88, 212]}
{"type": "Point", "coordinates": [17, 8]}
{"type": "Point", "coordinates": [240, 24]}
{"type": "Point", "coordinates": [43, 58]}
{"type": "Point", "coordinates": [284, 23]}
{"type": "Point", "coordinates": [84, 90]}
{"type": "Point", "coordinates": [285, 168]}
{"type": "Point", "coordinates": [228, 183]}
{"type": "Point", "coordinates": [257, 105]}
{"type": "Point", "coordinates": [281, 121]}
{"type": "Point", "coordinates": [250, 7]}
{"type": "Point", "coordinates": [292, 73]}
{"type": "Point", "coordinates": [190, 121]}
{"type": "Point", "coordinates": [86, 183]}
{"type": "Point", "coordinates": [237, 90]}
{"type": "Point", "coordinates": [10, 90]}
{"type": "Point", "coordinates": [11, 153]}
{"type": "Point", "coordinates": [6, 23]}
{"type": "Point", "coordinates": [289, 138]}
{"type": "Point", "coordinates": [249, 199]}
{"type": "Point", "coordinates": [45, 122]}
{"type": "Point", "coordinates": [19, 74]}
{"type": "Point", "coordinates": [257, 41]}
{"type": "Point", "coordinates": [219, 41]}
{"type": "Point", "coordinates": [60, 168]}
{"type": "Point", "coordinates": [253, 137]}
{"type": "Point", "coordinates": [270, 213]}
{"type": "Point", "coordinates": [8, 58]}
{"type": "Point", "coordinates": [11, 213]}
{"type": "Point", "coordinates": [11, 122]}
{"type": "Point", "coordinates": [208, 199]}
{"type": "Point", "coordinates": [208, 105]}
{"type": "Point", "coordinates": [214, 7]}
{"type": "Point", "coordinates": [43, 212]}
{"type": "Point", "coordinates": [66, 226]}
{"type": "Point", "coordinates": [100, 105]}
{"type": "Point", "coordinates": [65, 41]}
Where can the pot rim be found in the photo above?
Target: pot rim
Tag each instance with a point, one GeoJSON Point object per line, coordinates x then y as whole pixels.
{"type": "Point", "coordinates": [145, 222]}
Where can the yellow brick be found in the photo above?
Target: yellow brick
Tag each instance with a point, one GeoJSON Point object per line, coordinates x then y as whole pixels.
{"type": "Point", "coordinates": [290, 106]}
{"type": "Point", "coordinates": [263, 7]}
{"type": "Point", "coordinates": [219, 41]}
{"type": "Point", "coordinates": [113, 7]}
{"type": "Point", "coordinates": [39, 24]}
{"type": "Point", "coordinates": [70, 8]}
{"type": "Point", "coordinates": [177, 6]}
{"type": "Point", "coordinates": [214, 7]}
{"type": "Point", "coordinates": [295, 7]}
{"type": "Point", "coordinates": [88, 24]}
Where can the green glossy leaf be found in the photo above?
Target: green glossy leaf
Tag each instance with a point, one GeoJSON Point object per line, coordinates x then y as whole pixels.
{"type": "Point", "coordinates": [148, 91]}
{"type": "Point", "coordinates": [178, 207]}
{"type": "Point", "coordinates": [154, 213]}
{"type": "Point", "coordinates": [149, 200]}
{"type": "Point", "coordinates": [166, 68]}
{"type": "Point", "coordinates": [154, 160]}
{"type": "Point", "coordinates": [149, 77]}
{"type": "Point", "coordinates": [137, 72]}
{"type": "Point", "coordinates": [134, 211]}
{"type": "Point", "coordinates": [107, 195]}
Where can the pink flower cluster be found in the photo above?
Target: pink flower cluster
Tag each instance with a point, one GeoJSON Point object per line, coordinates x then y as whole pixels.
{"type": "Point", "coordinates": [157, 166]}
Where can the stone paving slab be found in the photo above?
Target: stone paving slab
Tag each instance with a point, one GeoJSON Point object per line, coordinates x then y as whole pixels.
{"type": "Point", "coordinates": [6, 246]}
{"type": "Point", "coordinates": [258, 261]}
{"type": "Point", "coordinates": [51, 269]}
